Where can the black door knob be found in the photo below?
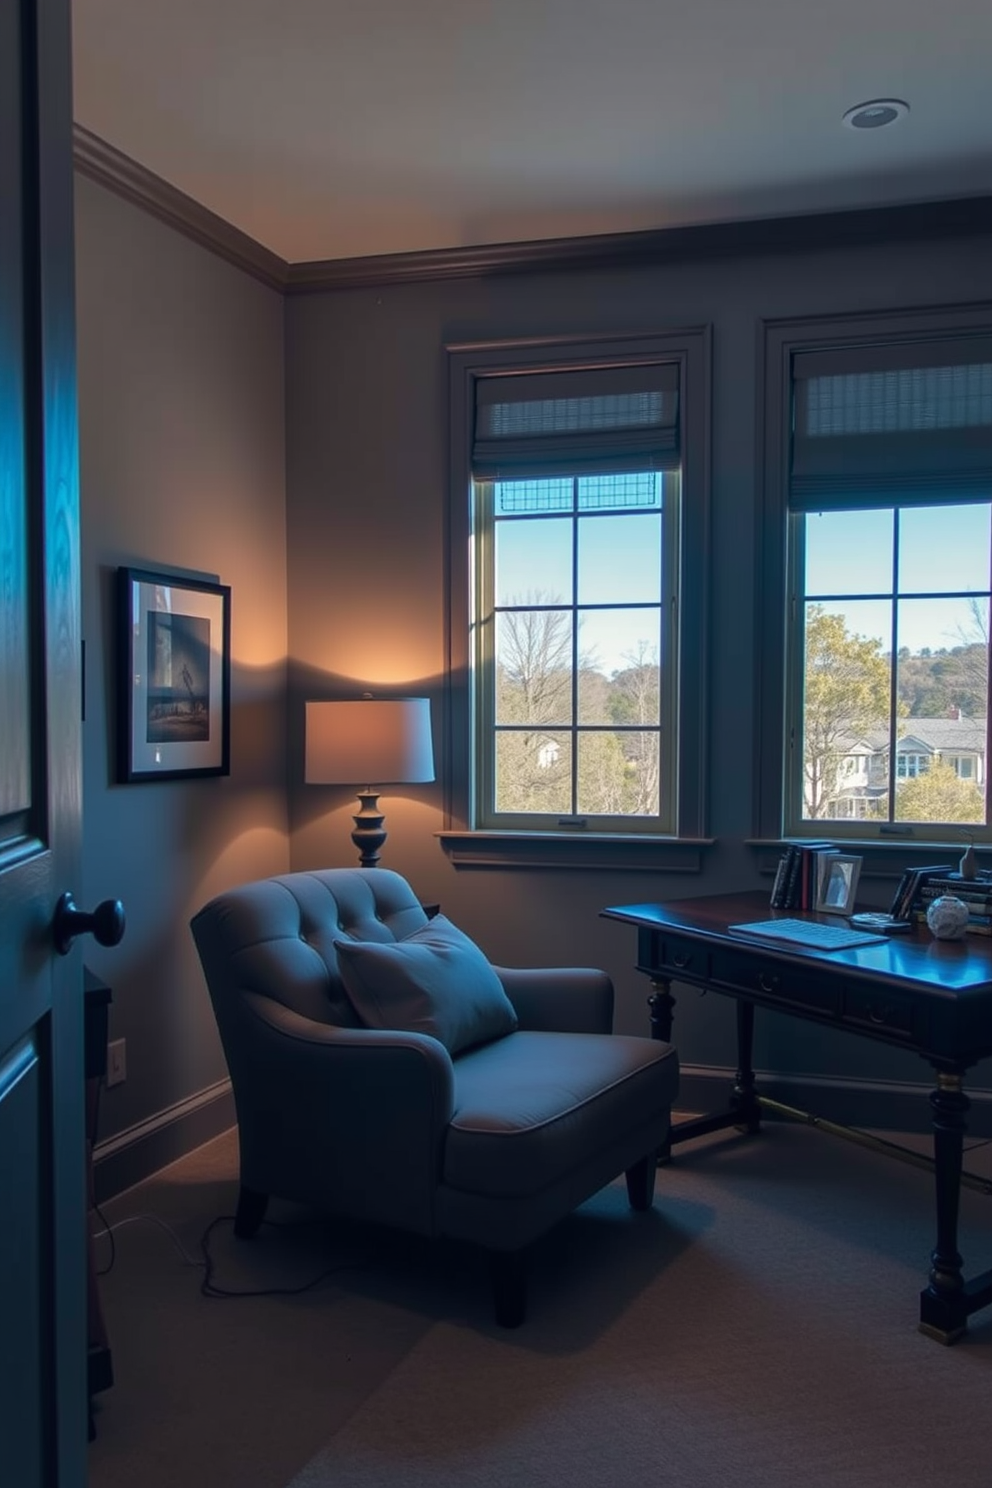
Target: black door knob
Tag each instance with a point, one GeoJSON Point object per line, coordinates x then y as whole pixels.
{"type": "Point", "coordinates": [105, 924]}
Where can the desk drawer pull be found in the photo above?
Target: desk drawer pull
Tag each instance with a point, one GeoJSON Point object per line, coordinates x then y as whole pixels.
{"type": "Point", "coordinates": [767, 982]}
{"type": "Point", "coordinates": [681, 959]}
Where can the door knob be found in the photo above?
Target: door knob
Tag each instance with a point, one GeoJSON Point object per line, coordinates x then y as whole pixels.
{"type": "Point", "coordinates": [106, 923]}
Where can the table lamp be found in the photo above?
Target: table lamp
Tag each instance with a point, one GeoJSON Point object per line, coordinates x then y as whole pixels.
{"type": "Point", "coordinates": [383, 739]}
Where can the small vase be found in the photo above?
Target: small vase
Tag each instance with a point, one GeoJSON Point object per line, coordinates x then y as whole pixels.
{"type": "Point", "coordinates": [948, 918]}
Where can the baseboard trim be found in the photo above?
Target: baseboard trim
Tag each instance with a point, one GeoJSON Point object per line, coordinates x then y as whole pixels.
{"type": "Point", "coordinates": [136, 1153]}
{"type": "Point", "coordinates": [880, 1105]}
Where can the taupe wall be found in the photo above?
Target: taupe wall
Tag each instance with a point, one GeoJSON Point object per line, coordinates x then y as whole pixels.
{"type": "Point", "coordinates": [182, 466]}
{"type": "Point", "coordinates": [367, 479]}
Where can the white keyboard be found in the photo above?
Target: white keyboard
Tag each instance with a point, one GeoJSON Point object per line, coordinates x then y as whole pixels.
{"type": "Point", "coordinates": [812, 933]}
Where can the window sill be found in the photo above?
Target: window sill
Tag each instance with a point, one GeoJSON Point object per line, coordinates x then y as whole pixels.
{"type": "Point", "coordinates": [884, 857]}
{"type": "Point", "coordinates": [587, 850]}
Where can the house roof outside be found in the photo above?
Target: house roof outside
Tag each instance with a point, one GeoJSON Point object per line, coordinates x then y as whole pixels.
{"type": "Point", "coordinates": [923, 735]}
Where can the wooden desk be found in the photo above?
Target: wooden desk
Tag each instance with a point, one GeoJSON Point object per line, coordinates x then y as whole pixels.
{"type": "Point", "coordinates": [933, 997]}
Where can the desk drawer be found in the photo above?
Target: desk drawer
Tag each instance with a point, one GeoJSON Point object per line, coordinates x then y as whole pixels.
{"type": "Point", "coordinates": [685, 959]}
{"type": "Point", "coordinates": [871, 1007]}
{"type": "Point", "coordinates": [771, 981]}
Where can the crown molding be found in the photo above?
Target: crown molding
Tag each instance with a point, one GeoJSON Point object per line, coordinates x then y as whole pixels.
{"type": "Point", "coordinates": [809, 232]}
{"type": "Point", "coordinates": [109, 167]}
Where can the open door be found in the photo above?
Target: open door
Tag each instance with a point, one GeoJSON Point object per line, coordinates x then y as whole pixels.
{"type": "Point", "coordinates": [43, 1407]}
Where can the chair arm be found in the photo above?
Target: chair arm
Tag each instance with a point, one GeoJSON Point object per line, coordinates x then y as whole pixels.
{"type": "Point", "coordinates": [350, 1119]}
{"type": "Point", "coordinates": [560, 999]}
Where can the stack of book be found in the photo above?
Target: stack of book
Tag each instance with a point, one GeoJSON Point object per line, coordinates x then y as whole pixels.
{"type": "Point", "coordinates": [975, 892]}
{"type": "Point", "coordinates": [800, 874]}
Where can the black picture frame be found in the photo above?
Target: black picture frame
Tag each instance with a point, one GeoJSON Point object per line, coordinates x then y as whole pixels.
{"type": "Point", "coordinates": [174, 676]}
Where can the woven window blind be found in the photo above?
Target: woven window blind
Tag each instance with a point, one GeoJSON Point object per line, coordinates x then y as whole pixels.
{"type": "Point", "coordinates": [907, 424]}
{"type": "Point", "coordinates": [560, 423]}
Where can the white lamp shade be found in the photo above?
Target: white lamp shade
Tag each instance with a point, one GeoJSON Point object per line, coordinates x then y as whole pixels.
{"type": "Point", "coordinates": [369, 741]}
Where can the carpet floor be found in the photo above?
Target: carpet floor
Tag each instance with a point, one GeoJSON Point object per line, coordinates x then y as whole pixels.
{"type": "Point", "coordinates": [758, 1327]}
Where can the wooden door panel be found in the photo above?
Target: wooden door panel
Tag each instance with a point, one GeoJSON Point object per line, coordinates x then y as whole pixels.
{"type": "Point", "coordinates": [42, 1174]}
{"type": "Point", "coordinates": [14, 681]}
{"type": "Point", "coordinates": [21, 1242]}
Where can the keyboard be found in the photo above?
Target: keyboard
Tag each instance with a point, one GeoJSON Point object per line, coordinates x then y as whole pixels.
{"type": "Point", "coordinates": [812, 933]}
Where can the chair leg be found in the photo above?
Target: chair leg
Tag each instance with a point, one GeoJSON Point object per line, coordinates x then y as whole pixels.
{"type": "Point", "coordinates": [509, 1279]}
{"type": "Point", "coordinates": [640, 1182]}
{"type": "Point", "coordinates": [250, 1212]}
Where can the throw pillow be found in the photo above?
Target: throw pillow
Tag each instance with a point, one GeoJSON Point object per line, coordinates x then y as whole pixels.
{"type": "Point", "coordinates": [434, 981]}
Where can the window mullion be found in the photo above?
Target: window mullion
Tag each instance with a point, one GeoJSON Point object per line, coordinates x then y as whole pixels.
{"type": "Point", "coordinates": [575, 648]}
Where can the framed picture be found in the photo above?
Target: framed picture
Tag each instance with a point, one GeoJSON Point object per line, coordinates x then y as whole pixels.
{"type": "Point", "coordinates": [174, 698]}
{"type": "Point", "coordinates": [839, 884]}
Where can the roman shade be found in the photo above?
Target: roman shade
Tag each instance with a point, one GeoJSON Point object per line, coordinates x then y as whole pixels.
{"type": "Point", "coordinates": [908, 423]}
{"type": "Point", "coordinates": [576, 422]}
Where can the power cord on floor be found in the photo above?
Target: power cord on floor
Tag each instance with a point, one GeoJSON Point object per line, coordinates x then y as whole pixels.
{"type": "Point", "coordinates": [207, 1265]}
{"type": "Point", "coordinates": [108, 1231]}
{"type": "Point", "coordinates": [209, 1288]}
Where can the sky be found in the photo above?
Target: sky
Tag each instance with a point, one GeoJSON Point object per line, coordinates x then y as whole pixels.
{"type": "Point", "coordinates": [619, 562]}
{"type": "Point", "coordinates": [943, 568]}
{"type": "Point", "coordinates": [941, 550]}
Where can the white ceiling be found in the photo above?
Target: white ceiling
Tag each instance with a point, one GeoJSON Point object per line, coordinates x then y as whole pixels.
{"type": "Point", "coordinates": [335, 128]}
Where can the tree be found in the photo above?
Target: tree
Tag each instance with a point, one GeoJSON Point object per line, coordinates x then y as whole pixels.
{"type": "Point", "coordinates": [938, 795]}
{"type": "Point", "coordinates": [616, 769]}
{"type": "Point", "coordinates": [534, 662]}
{"type": "Point", "coordinates": [635, 699]}
{"type": "Point", "coordinates": [846, 695]}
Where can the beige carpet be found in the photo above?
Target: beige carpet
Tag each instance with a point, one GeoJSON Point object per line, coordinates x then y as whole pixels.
{"type": "Point", "coordinates": [759, 1328]}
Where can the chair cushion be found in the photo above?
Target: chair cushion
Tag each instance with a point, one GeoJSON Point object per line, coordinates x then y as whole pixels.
{"type": "Point", "coordinates": [536, 1105]}
{"type": "Point", "coordinates": [434, 981]}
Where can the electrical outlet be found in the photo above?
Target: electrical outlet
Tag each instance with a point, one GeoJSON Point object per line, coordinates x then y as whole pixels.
{"type": "Point", "coordinates": [116, 1062]}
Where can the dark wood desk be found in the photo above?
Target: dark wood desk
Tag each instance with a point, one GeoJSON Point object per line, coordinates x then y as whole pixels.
{"type": "Point", "coordinates": [933, 997]}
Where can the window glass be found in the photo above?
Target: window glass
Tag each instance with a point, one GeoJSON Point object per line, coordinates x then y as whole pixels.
{"type": "Point", "coordinates": [894, 663]}
{"type": "Point", "coordinates": [580, 574]}
{"type": "Point", "coordinates": [619, 559]}
{"type": "Point", "coordinates": [533, 561]}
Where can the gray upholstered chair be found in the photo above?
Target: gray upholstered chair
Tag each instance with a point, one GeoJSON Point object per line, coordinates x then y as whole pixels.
{"type": "Point", "coordinates": [383, 1070]}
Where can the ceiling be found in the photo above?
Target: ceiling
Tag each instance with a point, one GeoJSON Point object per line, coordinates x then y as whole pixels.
{"type": "Point", "coordinates": [336, 128]}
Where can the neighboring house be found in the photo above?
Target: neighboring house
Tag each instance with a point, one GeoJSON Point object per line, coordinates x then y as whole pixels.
{"type": "Point", "coordinates": [548, 753]}
{"type": "Point", "coordinates": [862, 774]}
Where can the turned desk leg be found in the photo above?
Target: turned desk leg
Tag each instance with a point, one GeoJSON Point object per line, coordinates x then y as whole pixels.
{"type": "Point", "coordinates": [662, 1006]}
{"type": "Point", "coordinates": [744, 1099]}
{"type": "Point", "coordinates": [943, 1306]}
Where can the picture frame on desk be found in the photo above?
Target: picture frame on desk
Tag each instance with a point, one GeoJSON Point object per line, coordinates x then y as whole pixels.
{"type": "Point", "coordinates": [839, 884]}
{"type": "Point", "coordinates": [174, 676]}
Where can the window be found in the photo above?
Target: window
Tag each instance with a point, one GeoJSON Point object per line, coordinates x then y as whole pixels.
{"type": "Point", "coordinates": [574, 576]}
{"type": "Point", "coordinates": [581, 472]}
{"type": "Point", "coordinates": [888, 578]}
{"type": "Point", "coordinates": [911, 766]}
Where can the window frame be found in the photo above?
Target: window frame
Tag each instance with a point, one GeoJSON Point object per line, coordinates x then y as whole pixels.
{"type": "Point", "coordinates": [777, 771]}
{"type": "Point", "coordinates": [467, 362]}
{"type": "Point", "coordinates": [484, 660]}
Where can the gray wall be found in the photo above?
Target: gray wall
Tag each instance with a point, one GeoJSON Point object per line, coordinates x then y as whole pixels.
{"type": "Point", "coordinates": [182, 466]}
{"type": "Point", "coordinates": [312, 477]}
{"type": "Point", "coordinates": [367, 430]}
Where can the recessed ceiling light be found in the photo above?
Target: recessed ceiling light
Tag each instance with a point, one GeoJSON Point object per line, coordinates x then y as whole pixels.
{"type": "Point", "coordinates": [876, 113]}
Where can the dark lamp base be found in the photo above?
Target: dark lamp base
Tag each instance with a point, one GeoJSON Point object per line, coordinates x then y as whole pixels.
{"type": "Point", "coordinates": [369, 833]}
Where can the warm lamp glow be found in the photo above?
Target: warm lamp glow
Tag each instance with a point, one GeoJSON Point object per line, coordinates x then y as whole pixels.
{"type": "Point", "coordinates": [381, 740]}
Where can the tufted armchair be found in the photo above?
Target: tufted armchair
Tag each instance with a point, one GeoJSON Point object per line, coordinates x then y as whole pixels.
{"type": "Point", "coordinates": [383, 1070]}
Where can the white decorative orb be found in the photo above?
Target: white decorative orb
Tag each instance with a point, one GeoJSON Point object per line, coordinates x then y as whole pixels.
{"type": "Point", "coordinates": [948, 918]}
